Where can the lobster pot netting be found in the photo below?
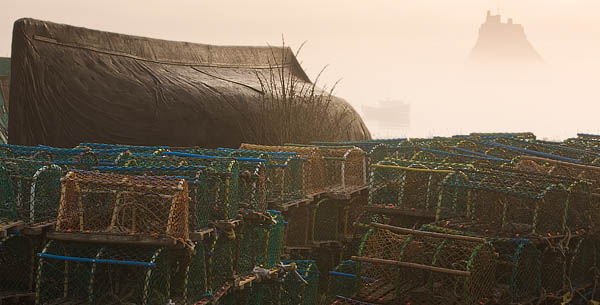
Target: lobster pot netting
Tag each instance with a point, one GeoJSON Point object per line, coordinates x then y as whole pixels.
{"type": "Point", "coordinates": [251, 248]}
{"type": "Point", "coordinates": [275, 240]}
{"type": "Point", "coordinates": [196, 177]}
{"type": "Point", "coordinates": [584, 262]}
{"type": "Point", "coordinates": [223, 180]}
{"type": "Point", "coordinates": [344, 167]}
{"type": "Point", "coordinates": [221, 262]}
{"type": "Point", "coordinates": [554, 266]}
{"type": "Point", "coordinates": [35, 193]}
{"type": "Point", "coordinates": [16, 265]}
{"type": "Point", "coordinates": [520, 208]}
{"type": "Point", "coordinates": [284, 173]}
{"type": "Point", "coordinates": [252, 169]}
{"type": "Point", "coordinates": [313, 169]}
{"type": "Point", "coordinates": [440, 270]}
{"type": "Point", "coordinates": [300, 286]}
{"type": "Point", "coordinates": [108, 203]}
{"type": "Point", "coordinates": [196, 276]}
{"type": "Point", "coordinates": [517, 270]}
{"type": "Point", "coordinates": [299, 225]}
{"type": "Point", "coordinates": [351, 213]}
{"type": "Point", "coordinates": [343, 280]}
{"type": "Point", "coordinates": [325, 223]}
{"type": "Point", "coordinates": [413, 188]}
{"type": "Point", "coordinates": [93, 274]}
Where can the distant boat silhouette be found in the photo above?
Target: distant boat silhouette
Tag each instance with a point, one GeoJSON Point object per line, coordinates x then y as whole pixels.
{"type": "Point", "coordinates": [388, 114]}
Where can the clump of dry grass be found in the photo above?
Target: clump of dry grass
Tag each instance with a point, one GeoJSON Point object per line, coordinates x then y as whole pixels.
{"type": "Point", "coordinates": [291, 110]}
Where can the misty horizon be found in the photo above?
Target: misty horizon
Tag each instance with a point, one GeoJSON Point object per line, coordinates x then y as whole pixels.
{"type": "Point", "coordinates": [415, 52]}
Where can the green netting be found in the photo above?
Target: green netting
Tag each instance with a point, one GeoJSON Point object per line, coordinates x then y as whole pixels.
{"type": "Point", "coordinates": [299, 224]}
{"type": "Point", "coordinates": [301, 285]}
{"type": "Point", "coordinates": [94, 202]}
{"type": "Point", "coordinates": [196, 277]}
{"type": "Point", "coordinates": [8, 207]}
{"type": "Point", "coordinates": [343, 281]}
{"type": "Point", "coordinates": [584, 262]}
{"type": "Point", "coordinates": [221, 259]}
{"type": "Point", "coordinates": [93, 274]}
{"type": "Point", "coordinates": [517, 271]}
{"type": "Point", "coordinates": [223, 180]}
{"type": "Point", "coordinates": [275, 240]}
{"type": "Point", "coordinates": [443, 269]}
{"type": "Point", "coordinates": [251, 248]}
{"type": "Point", "coordinates": [326, 219]}
{"type": "Point", "coordinates": [36, 190]}
{"type": "Point", "coordinates": [16, 265]}
{"type": "Point", "coordinates": [196, 177]}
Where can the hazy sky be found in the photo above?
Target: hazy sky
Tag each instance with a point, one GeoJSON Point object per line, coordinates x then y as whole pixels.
{"type": "Point", "coordinates": [397, 49]}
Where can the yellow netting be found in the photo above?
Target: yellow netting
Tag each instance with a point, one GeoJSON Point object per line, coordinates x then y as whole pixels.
{"type": "Point", "coordinates": [108, 203]}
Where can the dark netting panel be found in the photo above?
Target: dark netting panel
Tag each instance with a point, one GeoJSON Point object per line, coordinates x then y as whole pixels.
{"type": "Point", "coordinates": [95, 274]}
{"type": "Point", "coordinates": [299, 224]}
{"type": "Point", "coordinates": [554, 266]}
{"type": "Point", "coordinates": [425, 268]}
{"type": "Point", "coordinates": [275, 240]}
{"type": "Point", "coordinates": [107, 203]}
{"type": "Point", "coordinates": [313, 167]}
{"type": "Point", "coordinates": [300, 285]}
{"type": "Point", "coordinates": [36, 190]}
{"type": "Point", "coordinates": [196, 277]}
{"type": "Point", "coordinates": [325, 223]}
{"type": "Point", "coordinates": [221, 260]}
{"type": "Point", "coordinates": [197, 179]}
{"type": "Point", "coordinates": [584, 262]}
{"type": "Point", "coordinates": [343, 280]}
{"type": "Point", "coordinates": [16, 265]}
{"type": "Point", "coordinates": [251, 253]}
{"type": "Point", "coordinates": [517, 270]}
{"type": "Point", "coordinates": [8, 206]}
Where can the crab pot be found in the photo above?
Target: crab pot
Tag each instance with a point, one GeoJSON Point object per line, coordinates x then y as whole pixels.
{"type": "Point", "coordinates": [197, 179]}
{"type": "Point", "coordinates": [414, 187]}
{"type": "Point", "coordinates": [295, 291]}
{"type": "Point", "coordinates": [343, 280]}
{"type": "Point", "coordinates": [223, 182]}
{"type": "Point", "coordinates": [16, 265]}
{"type": "Point", "coordinates": [274, 240]}
{"type": "Point", "coordinates": [583, 261]}
{"type": "Point", "coordinates": [106, 203]}
{"type": "Point", "coordinates": [221, 259]}
{"type": "Point", "coordinates": [313, 166]}
{"type": "Point", "coordinates": [93, 274]}
{"type": "Point", "coordinates": [299, 224]}
{"type": "Point", "coordinates": [32, 190]}
{"type": "Point", "coordinates": [351, 213]}
{"type": "Point", "coordinates": [408, 266]}
{"type": "Point", "coordinates": [345, 168]}
{"type": "Point", "coordinates": [326, 218]}
{"type": "Point", "coordinates": [252, 247]}
{"type": "Point", "coordinates": [196, 275]}
{"type": "Point", "coordinates": [553, 268]}
{"type": "Point", "coordinates": [517, 270]}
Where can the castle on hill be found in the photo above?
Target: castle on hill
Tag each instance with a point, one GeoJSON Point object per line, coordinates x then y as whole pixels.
{"type": "Point", "coordinates": [503, 43]}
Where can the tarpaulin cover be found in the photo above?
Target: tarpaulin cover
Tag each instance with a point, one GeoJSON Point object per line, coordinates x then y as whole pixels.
{"type": "Point", "coordinates": [72, 85]}
{"type": "Point", "coordinates": [4, 85]}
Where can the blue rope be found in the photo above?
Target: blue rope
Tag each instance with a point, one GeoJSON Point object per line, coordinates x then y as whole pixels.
{"type": "Point", "coordinates": [180, 154]}
{"type": "Point", "coordinates": [258, 151]}
{"type": "Point", "coordinates": [439, 152]}
{"type": "Point", "coordinates": [476, 153]}
{"type": "Point", "coordinates": [150, 168]}
{"type": "Point", "coordinates": [528, 151]}
{"type": "Point", "coordinates": [97, 260]}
